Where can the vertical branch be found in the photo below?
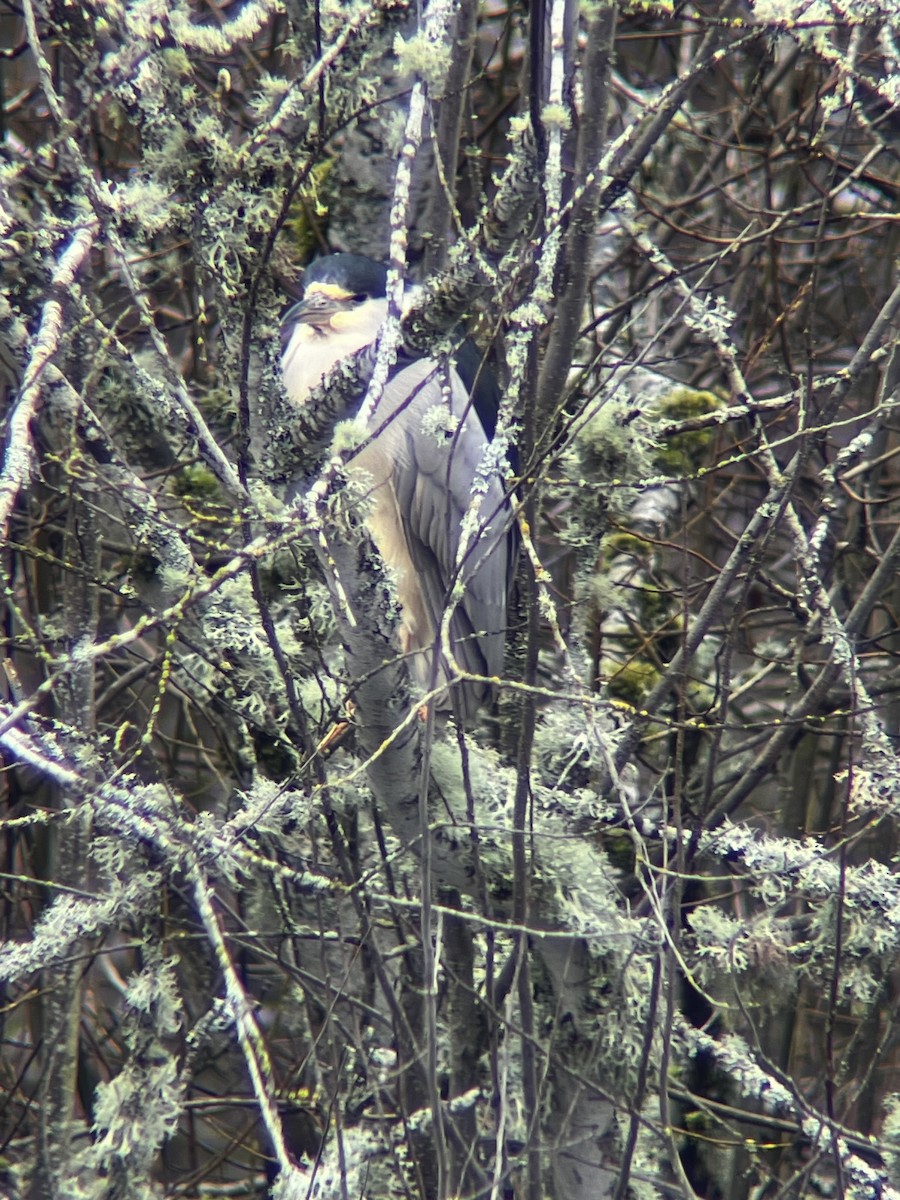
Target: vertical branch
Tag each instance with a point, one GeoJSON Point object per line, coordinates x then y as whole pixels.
{"type": "Point", "coordinates": [521, 842]}
{"type": "Point", "coordinates": [249, 1035]}
{"type": "Point", "coordinates": [19, 457]}
{"type": "Point", "coordinates": [576, 257]}
{"type": "Point", "coordinates": [447, 137]}
{"type": "Point", "coordinates": [527, 357]}
{"type": "Point", "coordinates": [466, 1030]}
{"type": "Point", "coordinates": [68, 845]}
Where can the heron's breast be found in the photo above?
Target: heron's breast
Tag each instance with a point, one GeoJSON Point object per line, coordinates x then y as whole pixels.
{"type": "Point", "coordinates": [386, 528]}
{"type": "Point", "coordinates": [311, 353]}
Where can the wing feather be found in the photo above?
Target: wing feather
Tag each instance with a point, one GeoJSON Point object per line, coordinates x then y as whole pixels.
{"type": "Point", "coordinates": [425, 478]}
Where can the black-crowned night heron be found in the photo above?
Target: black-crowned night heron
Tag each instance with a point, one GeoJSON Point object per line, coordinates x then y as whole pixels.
{"type": "Point", "coordinates": [422, 466]}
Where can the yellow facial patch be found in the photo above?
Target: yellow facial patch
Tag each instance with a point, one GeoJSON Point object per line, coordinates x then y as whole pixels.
{"type": "Point", "coordinates": [333, 291]}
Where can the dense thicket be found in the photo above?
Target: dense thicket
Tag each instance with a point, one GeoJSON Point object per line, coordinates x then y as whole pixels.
{"type": "Point", "coordinates": [637, 933]}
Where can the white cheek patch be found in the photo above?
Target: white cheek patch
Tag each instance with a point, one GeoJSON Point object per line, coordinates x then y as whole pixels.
{"type": "Point", "coordinates": [345, 319]}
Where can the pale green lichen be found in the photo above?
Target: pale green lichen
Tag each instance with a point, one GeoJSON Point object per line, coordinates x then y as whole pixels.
{"type": "Point", "coordinates": [629, 682]}
{"type": "Point", "coordinates": [135, 1112]}
{"type": "Point", "coordinates": [393, 130]}
{"type": "Point", "coordinates": [422, 56]}
{"type": "Point", "coordinates": [555, 116]}
{"type": "Point", "coordinates": [197, 482]}
{"type": "Point", "coordinates": [684, 453]}
{"type": "Point", "coordinates": [223, 38]}
{"type": "Point", "coordinates": [154, 992]}
{"type": "Point", "coordinates": [316, 196]}
{"type": "Point", "coordinates": [611, 444]}
{"type": "Point", "coordinates": [440, 423]}
{"type": "Point", "coordinates": [349, 435]}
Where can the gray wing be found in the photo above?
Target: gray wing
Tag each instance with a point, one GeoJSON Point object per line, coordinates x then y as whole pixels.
{"type": "Point", "coordinates": [432, 479]}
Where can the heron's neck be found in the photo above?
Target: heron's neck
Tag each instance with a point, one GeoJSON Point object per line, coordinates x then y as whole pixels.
{"type": "Point", "coordinates": [310, 354]}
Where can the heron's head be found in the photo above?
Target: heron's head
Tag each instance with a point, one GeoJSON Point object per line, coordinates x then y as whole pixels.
{"type": "Point", "coordinates": [343, 307]}
{"type": "Point", "coordinates": [342, 293]}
